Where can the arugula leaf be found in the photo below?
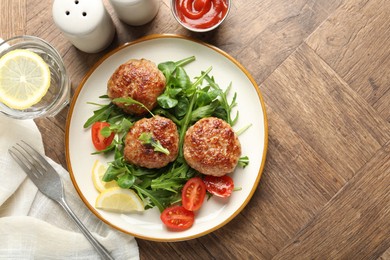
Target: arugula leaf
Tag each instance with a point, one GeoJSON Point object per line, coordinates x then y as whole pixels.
{"type": "Point", "coordinates": [122, 127]}
{"type": "Point", "coordinates": [224, 103]}
{"type": "Point", "coordinates": [167, 114]}
{"type": "Point", "coordinates": [147, 138]}
{"type": "Point", "coordinates": [174, 178]}
{"type": "Point", "coordinates": [100, 115]}
{"type": "Point", "coordinates": [243, 161]}
{"type": "Point", "coordinates": [242, 130]}
{"type": "Point", "coordinates": [157, 199]}
{"type": "Point", "coordinates": [129, 101]}
{"type": "Point", "coordinates": [115, 169]}
{"type": "Point", "coordinates": [204, 111]}
{"type": "Point", "coordinates": [106, 150]}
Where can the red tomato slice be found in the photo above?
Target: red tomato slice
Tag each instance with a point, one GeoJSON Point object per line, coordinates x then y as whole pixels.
{"type": "Point", "coordinates": [193, 194]}
{"type": "Point", "coordinates": [99, 141]}
{"type": "Point", "coordinates": [177, 218]}
{"type": "Point", "coordinates": [219, 186]}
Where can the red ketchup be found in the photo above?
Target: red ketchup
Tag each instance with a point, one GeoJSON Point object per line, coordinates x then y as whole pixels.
{"type": "Point", "coordinates": [201, 14]}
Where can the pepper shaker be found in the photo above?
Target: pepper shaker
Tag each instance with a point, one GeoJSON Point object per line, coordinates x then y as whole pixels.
{"type": "Point", "coordinates": [85, 23]}
{"type": "Point", "coordinates": [136, 12]}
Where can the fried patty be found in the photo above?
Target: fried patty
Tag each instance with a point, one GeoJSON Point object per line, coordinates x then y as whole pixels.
{"type": "Point", "coordinates": [140, 80]}
{"type": "Point", "coordinates": [212, 147]}
{"type": "Point", "coordinates": [162, 129]}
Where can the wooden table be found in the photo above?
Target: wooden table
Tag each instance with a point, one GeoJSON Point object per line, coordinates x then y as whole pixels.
{"type": "Point", "coordinates": [323, 68]}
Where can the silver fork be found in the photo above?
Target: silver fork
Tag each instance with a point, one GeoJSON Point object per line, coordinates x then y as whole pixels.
{"type": "Point", "coordinates": [45, 177]}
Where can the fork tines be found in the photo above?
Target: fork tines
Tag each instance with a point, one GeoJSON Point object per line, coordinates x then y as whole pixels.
{"type": "Point", "coordinates": [28, 158]}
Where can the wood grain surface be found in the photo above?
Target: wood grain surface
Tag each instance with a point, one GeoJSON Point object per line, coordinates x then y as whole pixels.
{"type": "Point", "coordinates": [323, 68]}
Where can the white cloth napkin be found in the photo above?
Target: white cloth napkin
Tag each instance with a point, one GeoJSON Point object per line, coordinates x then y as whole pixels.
{"type": "Point", "coordinates": [34, 227]}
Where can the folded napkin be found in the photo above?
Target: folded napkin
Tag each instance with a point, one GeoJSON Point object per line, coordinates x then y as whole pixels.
{"type": "Point", "coordinates": [34, 227]}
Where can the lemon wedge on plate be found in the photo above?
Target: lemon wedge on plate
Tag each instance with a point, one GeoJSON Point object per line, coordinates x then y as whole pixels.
{"type": "Point", "coordinates": [119, 200]}
{"type": "Point", "coordinates": [24, 79]}
{"type": "Point", "coordinates": [98, 171]}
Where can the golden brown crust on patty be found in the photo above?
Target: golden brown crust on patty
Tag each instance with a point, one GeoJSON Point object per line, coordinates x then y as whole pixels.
{"type": "Point", "coordinates": [139, 79]}
{"type": "Point", "coordinates": [211, 147]}
{"type": "Point", "coordinates": [163, 130]}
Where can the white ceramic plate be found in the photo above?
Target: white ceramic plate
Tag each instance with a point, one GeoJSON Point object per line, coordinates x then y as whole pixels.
{"type": "Point", "coordinates": [159, 48]}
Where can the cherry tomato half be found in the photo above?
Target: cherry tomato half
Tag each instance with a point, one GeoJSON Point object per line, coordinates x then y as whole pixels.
{"type": "Point", "coordinates": [99, 141]}
{"type": "Point", "coordinates": [177, 218]}
{"type": "Point", "coordinates": [193, 194]}
{"type": "Point", "coordinates": [219, 186]}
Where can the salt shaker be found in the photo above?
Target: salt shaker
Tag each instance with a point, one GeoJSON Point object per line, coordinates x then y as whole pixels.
{"type": "Point", "coordinates": [85, 23]}
{"type": "Point", "coordinates": [135, 12]}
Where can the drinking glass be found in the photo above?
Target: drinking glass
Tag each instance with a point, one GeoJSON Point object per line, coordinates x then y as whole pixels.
{"type": "Point", "coordinates": [58, 94]}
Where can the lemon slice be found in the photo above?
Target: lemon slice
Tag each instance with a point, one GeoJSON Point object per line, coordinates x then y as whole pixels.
{"type": "Point", "coordinates": [119, 200]}
{"type": "Point", "coordinates": [98, 170]}
{"type": "Point", "coordinates": [24, 79]}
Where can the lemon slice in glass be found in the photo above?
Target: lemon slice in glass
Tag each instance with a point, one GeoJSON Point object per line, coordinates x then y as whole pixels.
{"type": "Point", "coordinates": [119, 200]}
{"type": "Point", "coordinates": [24, 79]}
{"type": "Point", "coordinates": [98, 171]}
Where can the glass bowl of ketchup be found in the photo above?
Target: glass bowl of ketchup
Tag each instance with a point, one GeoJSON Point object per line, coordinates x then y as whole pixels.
{"type": "Point", "coordinates": [200, 15]}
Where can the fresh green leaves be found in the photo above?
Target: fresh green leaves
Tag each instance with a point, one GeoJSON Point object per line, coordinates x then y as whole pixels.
{"type": "Point", "coordinates": [122, 126]}
{"type": "Point", "coordinates": [178, 84]}
{"type": "Point", "coordinates": [169, 67]}
{"type": "Point", "coordinates": [106, 131]}
{"type": "Point", "coordinates": [127, 101]}
{"type": "Point", "coordinates": [176, 90]}
{"type": "Point", "coordinates": [101, 114]}
{"type": "Point", "coordinates": [157, 187]}
{"type": "Point", "coordinates": [222, 95]}
{"type": "Point", "coordinates": [147, 138]}
{"type": "Point", "coordinates": [108, 113]}
{"type": "Point", "coordinates": [167, 100]}
{"type": "Point", "coordinates": [243, 161]}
